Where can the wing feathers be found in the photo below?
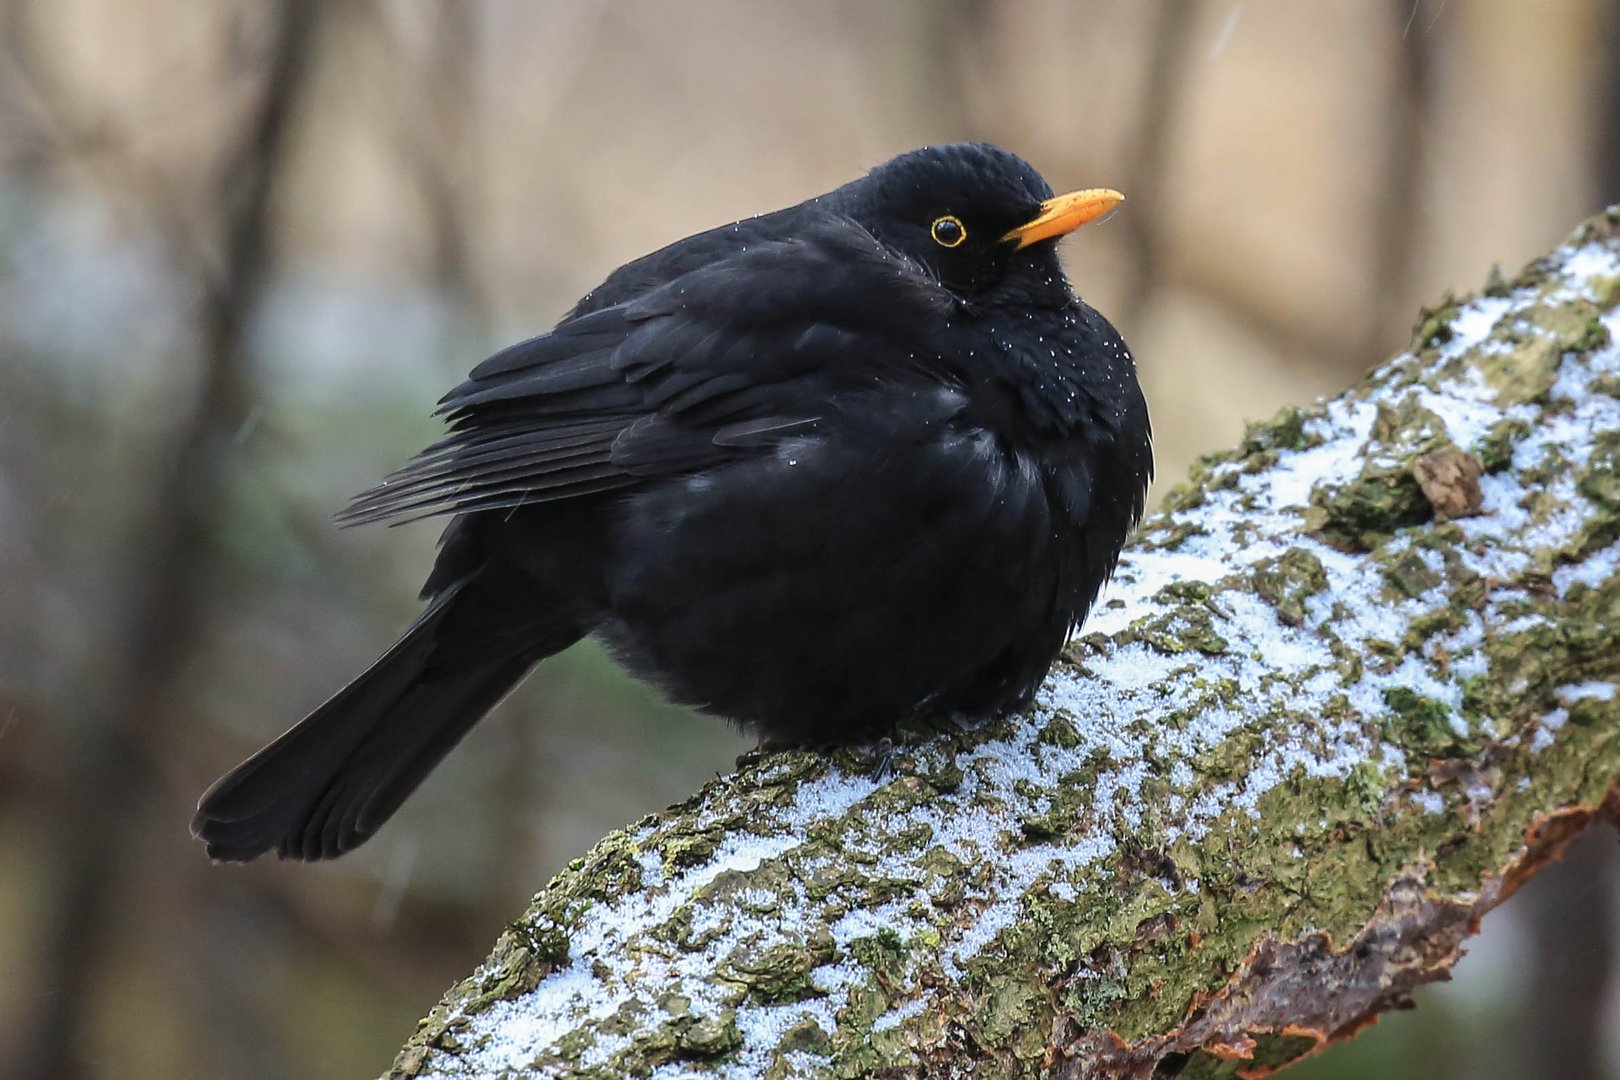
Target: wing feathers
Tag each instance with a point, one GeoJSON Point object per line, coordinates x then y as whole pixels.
{"type": "Point", "coordinates": [593, 472]}
{"type": "Point", "coordinates": [727, 358]}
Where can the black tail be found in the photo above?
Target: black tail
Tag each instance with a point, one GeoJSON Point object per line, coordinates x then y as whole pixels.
{"type": "Point", "coordinates": [326, 785]}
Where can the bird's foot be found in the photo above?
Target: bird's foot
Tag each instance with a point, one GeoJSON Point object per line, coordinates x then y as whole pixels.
{"type": "Point", "coordinates": [883, 771]}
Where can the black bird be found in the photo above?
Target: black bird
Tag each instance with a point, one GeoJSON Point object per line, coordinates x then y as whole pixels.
{"type": "Point", "coordinates": [861, 459]}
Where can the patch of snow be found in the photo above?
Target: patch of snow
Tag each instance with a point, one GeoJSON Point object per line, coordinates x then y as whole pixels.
{"type": "Point", "coordinates": [1473, 324]}
{"type": "Point", "coordinates": [1431, 801]}
{"type": "Point", "coordinates": [1334, 461]}
{"type": "Point", "coordinates": [764, 1025]}
{"type": "Point", "coordinates": [1468, 408]}
{"type": "Point", "coordinates": [897, 1016]}
{"type": "Point", "coordinates": [1583, 265]}
{"type": "Point", "coordinates": [865, 922]}
{"type": "Point", "coordinates": [1548, 728]}
{"type": "Point", "coordinates": [1587, 691]}
{"type": "Point", "coordinates": [1595, 571]}
{"type": "Point", "coordinates": [1137, 667]}
{"type": "Point", "coordinates": [1523, 623]}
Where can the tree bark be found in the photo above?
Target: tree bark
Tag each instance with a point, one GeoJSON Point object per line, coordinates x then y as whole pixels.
{"type": "Point", "coordinates": [1354, 682]}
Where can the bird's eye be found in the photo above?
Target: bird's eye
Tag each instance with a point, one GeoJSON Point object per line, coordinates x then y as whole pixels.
{"type": "Point", "coordinates": [949, 231]}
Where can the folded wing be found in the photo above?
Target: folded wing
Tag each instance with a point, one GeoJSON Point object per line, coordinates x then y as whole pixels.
{"type": "Point", "coordinates": [723, 361]}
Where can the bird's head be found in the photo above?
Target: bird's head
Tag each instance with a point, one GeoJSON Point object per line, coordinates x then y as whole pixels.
{"type": "Point", "coordinates": [979, 218]}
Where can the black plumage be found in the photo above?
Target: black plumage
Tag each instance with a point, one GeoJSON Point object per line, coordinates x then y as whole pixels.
{"type": "Point", "coordinates": [817, 471]}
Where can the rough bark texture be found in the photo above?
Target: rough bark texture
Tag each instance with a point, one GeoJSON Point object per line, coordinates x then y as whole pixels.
{"type": "Point", "coordinates": [1352, 685]}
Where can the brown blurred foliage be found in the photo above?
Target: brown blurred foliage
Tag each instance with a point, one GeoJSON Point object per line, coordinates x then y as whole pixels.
{"type": "Point", "coordinates": [245, 244]}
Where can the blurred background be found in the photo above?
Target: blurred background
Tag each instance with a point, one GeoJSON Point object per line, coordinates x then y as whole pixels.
{"type": "Point", "coordinates": [245, 245]}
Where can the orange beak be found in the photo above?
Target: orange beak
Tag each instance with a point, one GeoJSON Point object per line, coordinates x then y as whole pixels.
{"type": "Point", "coordinates": [1064, 214]}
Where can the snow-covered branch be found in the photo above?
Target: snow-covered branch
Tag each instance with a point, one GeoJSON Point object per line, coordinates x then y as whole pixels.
{"type": "Point", "coordinates": [1352, 684]}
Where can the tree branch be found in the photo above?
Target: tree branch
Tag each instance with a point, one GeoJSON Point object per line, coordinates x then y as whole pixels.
{"type": "Point", "coordinates": [1350, 688]}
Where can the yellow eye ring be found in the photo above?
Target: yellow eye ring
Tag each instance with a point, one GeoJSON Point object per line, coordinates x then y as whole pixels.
{"type": "Point", "coordinates": [948, 231]}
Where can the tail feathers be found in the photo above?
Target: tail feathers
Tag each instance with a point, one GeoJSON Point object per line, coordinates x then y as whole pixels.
{"type": "Point", "coordinates": [327, 784]}
{"type": "Point", "coordinates": [419, 730]}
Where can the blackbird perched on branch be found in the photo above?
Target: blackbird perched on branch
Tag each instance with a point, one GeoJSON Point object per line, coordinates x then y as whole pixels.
{"type": "Point", "coordinates": [864, 458]}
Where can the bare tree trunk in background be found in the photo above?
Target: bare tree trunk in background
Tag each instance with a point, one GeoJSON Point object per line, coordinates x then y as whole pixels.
{"type": "Point", "coordinates": [1606, 147]}
{"type": "Point", "coordinates": [108, 766]}
{"type": "Point", "coordinates": [950, 38]}
{"type": "Point", "coordinates": [1400, 215]}
{"type": "Point", "coordinates": [1571, 920]}
{"type": "Point", "coordinates": [439, 146]}
{"type": "Point", "coordinates": [1163, 89]}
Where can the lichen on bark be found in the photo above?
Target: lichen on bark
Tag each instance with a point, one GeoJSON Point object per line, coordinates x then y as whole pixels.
{"type": "Point", "coordinates": [1336, 705]}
